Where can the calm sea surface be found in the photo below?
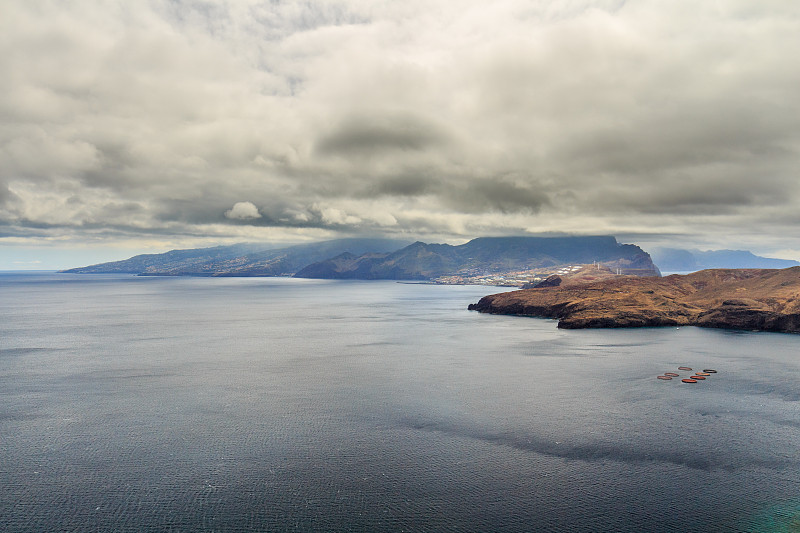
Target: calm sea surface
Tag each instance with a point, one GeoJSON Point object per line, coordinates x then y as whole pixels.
{"type": "Point", "coordinates": [267, 404]}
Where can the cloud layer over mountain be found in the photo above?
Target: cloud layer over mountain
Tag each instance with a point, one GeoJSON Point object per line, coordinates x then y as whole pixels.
{"type": "Point", "coordinates": [179, 121]}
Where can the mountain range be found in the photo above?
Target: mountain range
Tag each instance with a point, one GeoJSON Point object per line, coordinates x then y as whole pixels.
{"type": "Point", "coordinates": [386, 258]}
{"type": "Point", "coordinates": [486, 255]}
{"type": "Point", "coordinates": [239, 259]}
{"type": "Point", "coordinates": [680, 260]}
{"type": "Point", "coordinates": [375, 258]}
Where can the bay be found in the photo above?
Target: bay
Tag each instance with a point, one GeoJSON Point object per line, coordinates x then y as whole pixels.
{"type": "Point", "coordinates": [276, 404]}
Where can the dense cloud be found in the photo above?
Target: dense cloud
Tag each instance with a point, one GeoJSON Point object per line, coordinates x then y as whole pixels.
{"type": "Point", "coordinates": [179, 121]}
{"type": "Point", "coordinates": [243, 211]}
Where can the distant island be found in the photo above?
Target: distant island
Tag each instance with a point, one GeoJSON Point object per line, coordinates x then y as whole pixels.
{"type": "Point", "coordinates": [750, 299]}
{"type": "Point", "coordinates": [681, 260]}
{"type": "Point", "coordinates": [488, 260]}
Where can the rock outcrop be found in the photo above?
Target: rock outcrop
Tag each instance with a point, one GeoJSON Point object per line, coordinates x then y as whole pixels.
{"type": "Point", "coordinates": [752, 299]}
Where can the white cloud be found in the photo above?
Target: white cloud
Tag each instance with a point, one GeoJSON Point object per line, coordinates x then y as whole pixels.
{"type": "Point", "coordinates": [332, 216]}
{"type": "Point", "coordinates": [243, 211]}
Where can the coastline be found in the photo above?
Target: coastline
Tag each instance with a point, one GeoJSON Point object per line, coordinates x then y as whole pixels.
{"type": "Point", "coordinates": [746, 299]}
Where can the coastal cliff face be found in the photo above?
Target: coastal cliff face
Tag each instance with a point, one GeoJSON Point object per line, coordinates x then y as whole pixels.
{"type": "Point", "coordinates": [752, 299]}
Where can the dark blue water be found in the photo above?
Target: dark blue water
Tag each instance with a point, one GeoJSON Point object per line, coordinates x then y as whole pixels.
{"type": "Point", "coordinates": [184, 404]}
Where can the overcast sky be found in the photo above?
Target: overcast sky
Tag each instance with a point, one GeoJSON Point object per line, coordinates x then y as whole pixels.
{"type": "Point", "coordinates": [142, 126]}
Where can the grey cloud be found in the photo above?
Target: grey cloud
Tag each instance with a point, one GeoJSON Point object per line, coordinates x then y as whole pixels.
{"type": "Point", "coordinates": [202, 210]}
{"type": "Point", "coordinates": [682, 139]}
{"type": "Point", "coordinates": [385, 116]}
{"type": "Point", "coordinates": [411, 184]}
{"type": "Point", "coordinates": [374, 135]}
{"type": "Point", "coordinates": [212, 210]}
{"type": "Point", "coordinates": [496, 194]}
{"type": "Point", "coordinates": [5, 194]}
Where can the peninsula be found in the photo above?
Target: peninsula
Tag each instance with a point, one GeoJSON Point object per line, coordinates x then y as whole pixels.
{"type": "Point", "coordinates": [751, 299]}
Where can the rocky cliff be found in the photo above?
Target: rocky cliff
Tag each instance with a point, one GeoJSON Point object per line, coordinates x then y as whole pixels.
{"type": "Point", "coordinates": [752, 299]}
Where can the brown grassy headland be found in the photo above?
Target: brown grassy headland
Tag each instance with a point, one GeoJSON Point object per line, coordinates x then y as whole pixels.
{"type": "Point", "coordinates": [752, 299]}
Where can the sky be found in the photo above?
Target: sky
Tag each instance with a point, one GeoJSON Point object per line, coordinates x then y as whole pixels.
{"type": "Point", "coordinates": [140, 127]}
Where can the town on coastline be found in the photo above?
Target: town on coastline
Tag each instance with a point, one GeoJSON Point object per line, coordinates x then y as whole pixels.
{"type": "Point", "coordinates": [518, 278]}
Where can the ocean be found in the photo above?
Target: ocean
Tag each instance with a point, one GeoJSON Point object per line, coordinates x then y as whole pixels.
{"type": "Point", "coordinates": [275, 404]}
